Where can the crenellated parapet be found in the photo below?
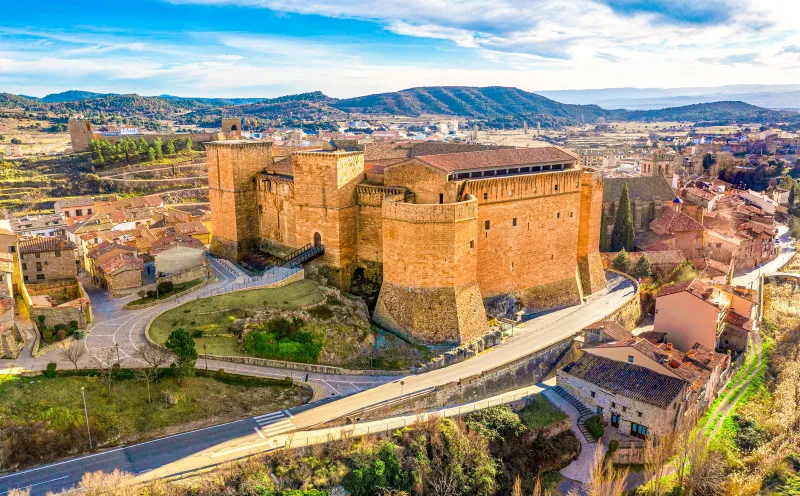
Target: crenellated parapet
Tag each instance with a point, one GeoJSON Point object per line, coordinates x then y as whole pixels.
{"type": "Point", "coordinates": [394, 208]}
{"type": "Point", "coordinates": [513, 188]}
{"type": "Point", "coordinates": [373, 195]}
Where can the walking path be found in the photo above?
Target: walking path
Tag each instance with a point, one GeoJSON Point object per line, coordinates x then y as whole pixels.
{"type": "Point", "coordinates": [579, 470]}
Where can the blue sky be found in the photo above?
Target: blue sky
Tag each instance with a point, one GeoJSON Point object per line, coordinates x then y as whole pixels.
{"type": "Point", "coordinates": [345, 48]}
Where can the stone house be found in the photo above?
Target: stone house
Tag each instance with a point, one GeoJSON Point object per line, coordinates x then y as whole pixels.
{"type": "Point", "coordinates": [10, 338]}
{"type": "Point", "coordinates": [702, 197]}
{"type": "Point", "coordinates": [642, 385]}
{"type": "Point", "coordinates": [8, 241]}
{"type": "Point", "coordinates": [195, 229]}
{"type": "Point", "coordinates": [101, 254]}
{"type": "Point", "coordinates": [47, 259]}
{"type": "Point", "coordinates": [38, 225]}
{"type": "Point", "coordinates": [697, 312]}
{"type": "Point", "coordinates": [686, 232]}
{"type": "Point", "coordinates": [179, 259]}
{"type": "Point", "coordinates": [7, 261]}
{"type": "Point", "coordinates": [122, 272]}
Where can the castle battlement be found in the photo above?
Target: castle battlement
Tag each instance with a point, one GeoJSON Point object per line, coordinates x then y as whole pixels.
{"type": "Point", "coordinates": [424, 213]}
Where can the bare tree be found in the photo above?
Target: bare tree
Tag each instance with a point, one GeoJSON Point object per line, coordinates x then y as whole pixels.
{"type": "Point", "coordinates": [606, 479]}
{"type": "Point", "coordinates": [107, 366]}
{"type": "Point", "coordinates": [657, 450]}
{"type": "Point", "coordinates": [73, 352]}
{"type": "Point", "coordinates": [154, 358]}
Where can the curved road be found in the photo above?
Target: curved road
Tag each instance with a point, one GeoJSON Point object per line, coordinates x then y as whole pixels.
{"type": "Point", "coordinates": [190, 451]}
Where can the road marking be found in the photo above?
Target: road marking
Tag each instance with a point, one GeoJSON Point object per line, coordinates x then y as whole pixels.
{"type": "Point", "coordinates": [40, 483]}
{"type": "Point", "coordinates": [334, 389]}
{"type": "Point", "coordinates": [269, 415]}
{"type": "Point", "coordinates": [258, 431]}
{"type": "Point", "coordinates": [287, 412]}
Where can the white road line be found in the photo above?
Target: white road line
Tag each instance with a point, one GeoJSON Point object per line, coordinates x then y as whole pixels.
{"type": "Point", "coordinates": [287, 412]}
{"type": "Point", "coordinates": [40, 483]}
{"type": "Point", "coordinates": [258, 431]}
{"type": "Point", "coordinates": [334, 389]}
{"type": "Point", "coordinates": [275, 432]}
{"type": "Point", "coordinates": [269, 415]}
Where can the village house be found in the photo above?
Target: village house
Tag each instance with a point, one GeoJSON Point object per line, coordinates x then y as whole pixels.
{"type": "Point", "coordinates": [677, 229]}
{"type": "Point", "coordinates": [47, 259]}
{"type": "Point", "coordinates": [120, 273]}
{"type": "Point", "coordinates": [101, 254]}
{"type": "Point", "coordinates": [195, 229]}
{"type": "Point", "coordinates": [641, 385]}
{"type": "Point", "coordinates": [8, 241]}
{"type": "Point", "coordinates": [702, 197]}
{"type": "Point", "coordinates": [74, 209]}
{"type": "Point", "coordinates": [698, 312]}
{"type": "Point", "coordinates": [179, 259]}
{"type": "Point", "coordinates": [38, 225]}
{"type": "Point", "coordinates": [648, 196]}
{"type": "Point", "coordinates": [7, 261]}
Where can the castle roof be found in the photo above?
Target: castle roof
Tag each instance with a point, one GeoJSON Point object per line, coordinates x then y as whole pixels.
{"type": "Point", "coordinates": [452, 162]}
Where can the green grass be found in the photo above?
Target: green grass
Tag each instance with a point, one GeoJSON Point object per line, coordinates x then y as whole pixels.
{"type": "Point", "coordinates": [205, 401]}
{"type": "Point", "coordinates": [177, 288]}
{"type": "Point", "coordinates": [540, 413]}
{"type": "Point", "coordinates": [214, 315]}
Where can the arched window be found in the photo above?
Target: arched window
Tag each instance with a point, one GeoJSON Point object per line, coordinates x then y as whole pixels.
{"type": "Point", "coordinates": [317, 239]}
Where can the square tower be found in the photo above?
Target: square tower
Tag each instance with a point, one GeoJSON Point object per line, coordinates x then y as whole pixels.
{"type": "Point", "coordinates": [232, 169]}
{"type": "Point", "coordinates": [325, 205]}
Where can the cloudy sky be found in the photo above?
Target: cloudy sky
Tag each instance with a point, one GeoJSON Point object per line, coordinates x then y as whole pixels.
{"type": "Point", "coordinates": [264, 48]}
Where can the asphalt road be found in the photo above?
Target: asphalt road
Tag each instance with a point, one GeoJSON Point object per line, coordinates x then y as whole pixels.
{"type": "Point", "coordinates": [185, 452]}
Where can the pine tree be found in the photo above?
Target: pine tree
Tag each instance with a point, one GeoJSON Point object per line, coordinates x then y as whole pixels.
{"type": "Point", "coordinates": [171, 147]}
{"type": "Point", "coordinates": [623, 233]}
{"type": "Point", "coordinates": [157, 148]}
{"type": "Point", "coordinates": [792, 194]}
{"type": "Point", "coordinates": [642, 268]}
{"type": "Point", "coordinates": [621, 262]}
{"type": "Point", "coordinates": [188, 143]}
{"type": "Point", "coordinates": [99, 160]}
{"type": "Point", "coordinates": [151, 153]}
{"type": "Point", "coordinates": [605, 241]}
{"type": "Point", "coordinates": [143, 146]}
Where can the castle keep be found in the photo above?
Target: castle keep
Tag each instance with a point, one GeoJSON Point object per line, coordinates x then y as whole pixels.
{"type": "Point", "coordinates": [443, 228]}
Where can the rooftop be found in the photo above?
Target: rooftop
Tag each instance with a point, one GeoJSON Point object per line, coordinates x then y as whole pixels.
{"type": "Point", "coordinates": [169, 242]}
{"type": "Point", "coordinates": [646, 188]}
{"type": "Point", "coordinates": [45, 243]}
{"type": "Point", "coordinates": [122, 263]}
{"type": "Point", "coordinates": [487, 159]}
{"type": "Point", "coordinates": [674, 221]}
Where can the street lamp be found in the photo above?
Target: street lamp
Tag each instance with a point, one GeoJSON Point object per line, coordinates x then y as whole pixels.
{"type": "Point", "coordinates": [117, 346]}
{"type": "Point", "coordinates": [86, 414]}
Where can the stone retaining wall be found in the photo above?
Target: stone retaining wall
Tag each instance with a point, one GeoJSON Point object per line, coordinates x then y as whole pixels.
{"type": "Point", "coordinates": [628, 314]}
{"type": "Point", "coordinates": [169, 298]}
{"type": "Point", "coordinates": [303, 367]}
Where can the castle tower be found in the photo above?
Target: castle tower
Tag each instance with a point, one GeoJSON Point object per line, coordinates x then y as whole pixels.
{"type": "Point", "coordinates": [430, 288]}
{"type": "Point", "coordinates": [232, 126]}
{"type": "Point", "coordinates": [325, 207]}
{"type": "Point", "coordinates": [80, 133]}
{"type": "Point", "coordinates": [590, 264]}
{"type": "Point", "coordinates": [232, 169]}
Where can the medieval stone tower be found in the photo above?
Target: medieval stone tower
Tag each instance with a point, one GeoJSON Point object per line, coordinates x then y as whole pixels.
{"type": "Point", "coordinates": [232, 169]}
{"type": "Point", "coordinates": [590, 264]}
{"type": "Point", "coordinates": [325, 206]}
{"type": "Point", "coordinates": [430, 284]}
{"type": "Point", "coordinates": [80, 132]}
{"type": "Point", "coordinates": [232, 125]}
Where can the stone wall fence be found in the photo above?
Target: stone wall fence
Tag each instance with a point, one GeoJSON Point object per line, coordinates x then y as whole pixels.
{"type": "Point", "coordinates": [629, 313]}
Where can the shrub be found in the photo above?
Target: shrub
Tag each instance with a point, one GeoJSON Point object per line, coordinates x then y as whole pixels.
{"type": "Point", "coordinates": [47, 333]}
{"type": "Point", "coordinates": [323, 312]}
{"type": "Point", "coordinates": [613, 446]}
{"type": "Point", "coordinates": [59, 327]}
{"type": "Point", "coordinates": [51, 370]}
{"type": "Point", "coordinates": [595, 426]}
{"type": "Point", "coordinates": [73, 325]}
{"type": "Point", "coordinates": [221, 373]}
{"type": "Point", "coordinates": [41, 319]}
{"type": "Point", "coordinates": [151, 294]}
{"type": "Point", "coordinates": [197, 333]}
{"type": "Point", "coordinates": [165, 287]}
{"type": "Point", "coordinates": [61, 334]}
{"type": "Point", "coordinates": [496, 423]}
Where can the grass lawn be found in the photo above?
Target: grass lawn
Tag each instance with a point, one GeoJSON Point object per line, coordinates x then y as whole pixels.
{"type": "Point", "coordinates": [214, 315]}
{"type": "Point", "coordinates": [177, 288]}
{"type": "Point", "coordinates": [202, 401]}
{"type": "Point", "coordinates": [540, 413]}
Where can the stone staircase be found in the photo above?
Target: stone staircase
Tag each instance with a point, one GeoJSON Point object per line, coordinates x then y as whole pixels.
{"type": "Point", "coordinates": [583, 412]}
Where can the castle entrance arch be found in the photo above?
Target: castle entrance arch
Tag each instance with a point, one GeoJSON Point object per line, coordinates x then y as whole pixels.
{"type": "Point", "coordinates": [317, 239]}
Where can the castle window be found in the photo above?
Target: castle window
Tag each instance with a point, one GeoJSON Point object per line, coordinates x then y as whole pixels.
{"type": "Point", "coordinates": [630, 358]}
{"type": "Point", "coordinates": [512, 266]}
{"type": "Point", "coordinates": [476, 174]}
{"type": "Point", "coordinates": [513, 171]}
{"type": "Point", "coordinates": [555, 188]}
{"type": "Point", "coordinates": [558, 215]}
{"type": "Point", "coordinates": [525, 169]}
{"type": "Point", "coordinates": [511, 193]}
{"type": "Point", "coordinates": [488, 173]}
{"type": "Point", "coordinates": [486, 196]}
{"type": "Point", "coordinates": [570, 214]}
{"type": "Point", "coordinates": [487, 224]}
{"type": "Point", "coordinates": [463, 175]}
{"type": "Point", "coordinates": [471, 244]}
{"type": "Point", "coordinates": [441, 198]}
{"type": "Point", "coordinates": [514, 221]}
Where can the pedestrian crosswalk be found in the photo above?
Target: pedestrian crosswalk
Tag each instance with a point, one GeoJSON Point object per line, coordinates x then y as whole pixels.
{"type": "Point", "coordinates": [273, 424]}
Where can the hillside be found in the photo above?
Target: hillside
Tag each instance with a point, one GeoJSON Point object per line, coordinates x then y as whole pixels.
{"type": "Point", "coordinates": [495, 105]}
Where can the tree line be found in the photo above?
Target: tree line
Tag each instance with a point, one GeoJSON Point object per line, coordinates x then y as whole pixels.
{"type": "Point", "coordinates": [130, 151]}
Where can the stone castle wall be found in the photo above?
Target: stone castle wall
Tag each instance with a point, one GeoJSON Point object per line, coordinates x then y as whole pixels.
{"type": "Point", "coordinates": [527, 232]}
{"type": "Point", "coordinates": [370, 220]}
{"type": "Point", "coordinates": [80, 132]}
{"type": "Point", "coordinates": [426, 182]}
{"type": "Point", "coordinates": [590, 263]}
{"type": "Point", "coordinates": [232, 170]}
{"type": "Point", "coordinates": [276, 211]}
{"type": "Point", "coordinates": [430, 290]}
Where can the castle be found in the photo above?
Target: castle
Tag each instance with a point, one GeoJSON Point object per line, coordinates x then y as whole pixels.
{"type": "Point", "coordinates": [444, 228]}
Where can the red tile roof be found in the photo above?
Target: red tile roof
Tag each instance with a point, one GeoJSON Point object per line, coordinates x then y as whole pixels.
{"type": "Point", "coordinates": [674, 221]}
{"type": "Point", "coordinates": [452, 162]}
{"type": "Point", "coordinates": [170, 242]}
{"type": "Point", "coordinates": [42, 244]}
{"type": "Point", "coordinates": [740, 321]}
{"type": "Point", "coordinates": [121, 264]}
{"type": "Point", "coordinates": [106, 247]}
{"type": "Point", "coordinates": [695, 287]}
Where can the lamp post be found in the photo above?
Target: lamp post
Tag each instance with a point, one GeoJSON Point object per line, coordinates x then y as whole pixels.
{"type": "Point", "coordinates": [117, 346]}
{"type": "Point", "coordinates": [86, 414]}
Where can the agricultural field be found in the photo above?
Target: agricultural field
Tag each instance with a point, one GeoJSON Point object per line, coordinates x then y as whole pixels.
{"type": "Point", "coordinates": [35, 141]}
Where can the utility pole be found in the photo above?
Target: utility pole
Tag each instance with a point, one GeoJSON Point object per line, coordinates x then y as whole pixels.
{"type": "Point", "coordinates": [86, 414]}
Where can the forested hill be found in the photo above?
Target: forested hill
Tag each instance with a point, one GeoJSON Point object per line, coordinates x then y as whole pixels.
{"type": "Point", "coordinates": [498, 104]}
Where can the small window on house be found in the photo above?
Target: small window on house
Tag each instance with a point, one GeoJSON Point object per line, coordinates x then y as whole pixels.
{"type": "Point", "coordinates": [40, 276]}
{"type": "Point", "coordinates": [58, 253]}
{"type": "Point", "coordinates": [514, 221]}
{"type": "Point", "coordinates": [624, 409]}
{"type": "Point", "coordinates": [486, 196]}
{"type": "Point", "coordinates": [441, 198]}
{"type": "Point", "coordinates": [25, 278]}
{"type": "Point", "coordinates": [592, 394]}
{"type": "Point", "coordinates": [487, 224]}
{"type": "Point", "coordinates": [66, 213]}
{"type": "Point", "coordinates": [89, 211]}
{"type": "Point", "coordinates": [599, 409]}
{"type": "Point", "coordinates": [36, 255]}
{"type": "Point", "coordinates": [78, 212]}
{"type": "Point", "coordinates": [630, 358]}
{"type": "Point", "coordinates": [613, 405]}
{"type": "Point", "coordinates": [24, 266]}
{"type": "Point", "coordinates": [12, 249]}
{"type": "Point", "coordinates": [472, 244]}
{"type": "Point", "coordinates": [39, 266]}
{"type": "Point", "coordinates": [639, 414]}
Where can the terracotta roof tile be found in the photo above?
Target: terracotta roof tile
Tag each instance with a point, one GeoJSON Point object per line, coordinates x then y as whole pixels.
{"type": "Point", "coordinates": [674, 221]}
{"type": "Point", "coordinates": [169, 242]}
{"type": "Point", "coordinates": [496, 158]}
{"type": "Point", "coordinates": [645, 188]}
{"type": "Point", "coordinates": [122, 263]}
{"type": "Point", "coordinates": [45, 243]}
